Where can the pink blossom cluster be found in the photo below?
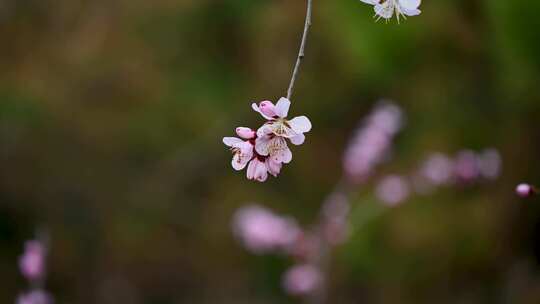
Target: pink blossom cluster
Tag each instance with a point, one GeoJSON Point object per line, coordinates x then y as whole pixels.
{"type": "Point", "coordinates": [32, 267]}
{"type": "Point", "coordinates": [438, 169]}
{"type": "Point", "coordinates": [371, 143]}
{"type": "Point", "coordinates": [265, 150]}
{"type": "Point", "coordinates": [466, 167]}
{"type": "Point", "coordinates": [262, 231]}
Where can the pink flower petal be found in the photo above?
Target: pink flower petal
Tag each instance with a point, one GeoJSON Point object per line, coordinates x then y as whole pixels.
{"type": "Point", "coordinates": [273, 167]}
{"type": "Point", "coordinates": [262, 145]}
{"type": "Point", "coordinates": [232, 141]}
{"type": "Point", "coordinates": [267, 108]}
{"type": "Point", "coordinates": [245, 133]}
{"type": "Point", "coordinates": [250, 172]}
{"type": "Point", "coordinates": [256, 108]}
{"type": "Point", "coordinates": [264, 130]}
{"type": "Point", "coordinates": [282, 156]}
{"type": "Point", "coordinates": [282, 107]}
{"type": "Point", "coordinates": [298, 139]}
{"type": "Point", "coordinates": [410, 4]}
{"type": "Point", "coordinates": [300, 124]}
{"type": "Point", "coordinates": [261, 172]}
{"type": "Point", "coordinates": [238, 163]}
{"type": "Point", "coordinates": [372, 2]}
{"type": "Point", "coordinates": [410, 12]}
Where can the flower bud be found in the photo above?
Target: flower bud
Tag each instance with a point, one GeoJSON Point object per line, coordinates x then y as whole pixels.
{"type": "Point", "coordinates": [525, 190]}
{"type": "Point", "coordinates": [267, 108]}
{"type": "Point", "coordinates": [245, 133]}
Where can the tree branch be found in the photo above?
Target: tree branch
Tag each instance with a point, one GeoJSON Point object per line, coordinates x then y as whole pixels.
{"type": "Point", "coordinates": [301, 52]}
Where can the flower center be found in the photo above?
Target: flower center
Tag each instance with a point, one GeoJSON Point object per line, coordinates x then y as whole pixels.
{"type": "Point", "coordinates": [281, 127]}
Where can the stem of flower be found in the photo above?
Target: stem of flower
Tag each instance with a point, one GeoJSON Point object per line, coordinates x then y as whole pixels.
{"type": "Point", "coordinates": [307, 25]}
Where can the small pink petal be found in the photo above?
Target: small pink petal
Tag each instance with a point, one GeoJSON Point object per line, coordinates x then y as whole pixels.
{"type": "Point", "coordinates": [245, 133]}
{"type": "Point", "coordinates": [256, 108]}
{"type": "Point", "coordinates": [238, 163]}
{"type": "Point", "coordinates": [262, 144]}
{"type": "Point", "coordinates": [261, 172]}
{"type": "Point", "coordinates": [252, 167]}
{"type": "Point", "coordinates": [300, 124]}
{"type": "Point", "coordinates": [298, 139]}
{"type": "Point", "coordinates": [267, 108]}
{"type": "Point", "coordinates": [264, 130]}
{"type": "Point", "coordinates": [273, 167]}
{"type": "Point", "coordinates": [410, 4]}
{"type": "Point", "coordinates": [232, 141]}
{"type": "Point", "coordinates": [283, 156]}
{"type": "Point", "coordinates": [282, 107]}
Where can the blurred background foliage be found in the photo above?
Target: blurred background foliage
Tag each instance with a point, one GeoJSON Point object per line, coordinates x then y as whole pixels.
{"type": "Point", "coordinates": [112, 114]}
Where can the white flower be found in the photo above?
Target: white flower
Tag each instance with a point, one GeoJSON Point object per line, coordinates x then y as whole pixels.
{"type": "Point", "coordinates": [385, 8]}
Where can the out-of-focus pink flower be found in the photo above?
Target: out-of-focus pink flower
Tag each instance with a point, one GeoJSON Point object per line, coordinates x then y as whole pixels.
{"type": "Point", "coordinates": [278, 124]}
{"type": "Point", "coordinates": [260, 230]}
{"type": "Point", "coordinates": [525, 190]}
{"type": "Point", "coordinates": [35, 297]}
{"type": "Point", "coordinates": [393, 190]}
{"type": "Point", "coordinates": [32, 261]}
{"type": "Point", "coordinates": [305, 246]}
{"type": "Point", "coordinates": [466, 166]}
{"type": "Point", "coordinates": [437, 169]}
{"type": "Point", "coordinates": [335, 211]}
{"type": "Point", "coordinates": [302, 280]}
{"type": "Point", "coordinates": [490, 163]}
{"type": "Point", "coordinates": [370, 144]}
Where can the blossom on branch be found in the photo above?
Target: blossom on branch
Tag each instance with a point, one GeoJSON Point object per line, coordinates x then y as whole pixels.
{"type": "Point", "coordinates": [265, 151]}
{"type": "Point", "coordinates": [385, 9]}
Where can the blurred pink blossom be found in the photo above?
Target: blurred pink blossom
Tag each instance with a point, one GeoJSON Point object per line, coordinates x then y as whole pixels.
{"type": "Point", "coordinates": [260, 230]}
{"type": "Point", "coordinates": [466, 167]}
{"type": "Point", "coordinates": [35, 297]}
{"type": "Point", "coordinates": [393, 190]}
{"type": "Point", "coordinates": [525, 190]}
{"type": "Point", "coordinates": [437, 169]}
{"type": "Point", "coordinates": [302, 280]}
{"type": "Point", "coordinates": [371, 142]}
{"type": "Point", "coordinates": [32, 261]}
{"type": "Point", "coordinates": [490, 163]}
{"type": "Point", "coordinates": [335, 211]}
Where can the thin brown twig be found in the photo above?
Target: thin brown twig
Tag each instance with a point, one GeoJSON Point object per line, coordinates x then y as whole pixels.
{"type": "Point", "coordinates": [301, 55]}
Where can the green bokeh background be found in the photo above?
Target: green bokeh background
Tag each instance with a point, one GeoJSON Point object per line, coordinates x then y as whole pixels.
{"type": "Point", "coordinates": [112, 114]}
